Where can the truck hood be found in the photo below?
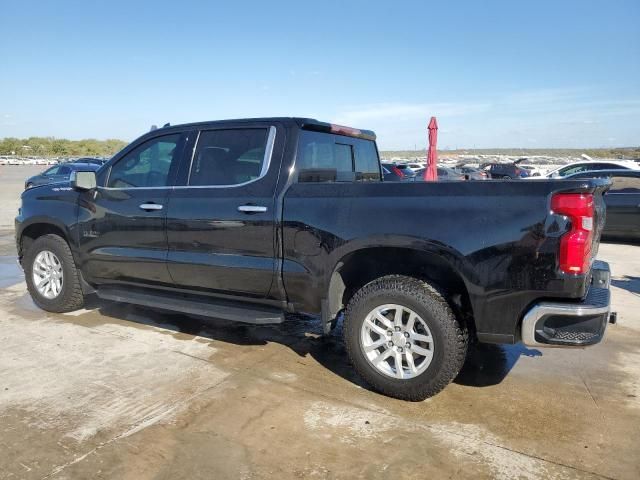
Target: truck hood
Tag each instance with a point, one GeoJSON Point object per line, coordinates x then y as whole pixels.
{"type": "Point", "coordinates": [56, 188]}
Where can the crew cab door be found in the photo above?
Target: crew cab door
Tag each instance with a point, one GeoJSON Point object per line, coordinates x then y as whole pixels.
{"type": "Point", "coordinates": [221, 222]}
{"type": "Point", "coordinates": [122, 224]}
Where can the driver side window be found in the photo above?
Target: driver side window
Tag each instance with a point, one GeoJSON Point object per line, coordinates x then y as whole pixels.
{"type": "Point", "coordinates": [148, 165]}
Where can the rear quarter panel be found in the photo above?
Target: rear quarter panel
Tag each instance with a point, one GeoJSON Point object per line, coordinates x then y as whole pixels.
{"type": "Point", "coordinates": [499, 236]}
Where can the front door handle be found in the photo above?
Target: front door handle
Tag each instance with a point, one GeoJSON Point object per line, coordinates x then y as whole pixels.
{"type": "Point", "coordinates": [151, 206]}
{"type": "Point", "coordinates": [252, 209]}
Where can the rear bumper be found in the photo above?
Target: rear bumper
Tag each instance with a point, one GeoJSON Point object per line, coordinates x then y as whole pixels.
{"type": "Point", "coordinates": [568, 324]}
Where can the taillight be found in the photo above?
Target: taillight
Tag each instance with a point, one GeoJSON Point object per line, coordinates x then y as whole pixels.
{"type": "Point", "coordinates": [398, 172]}
{"type": "Point", "coordinates": [575, 245]}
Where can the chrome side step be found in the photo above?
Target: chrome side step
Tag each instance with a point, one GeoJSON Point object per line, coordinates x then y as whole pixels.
{"type": "Point", "coordinates": [206, 307]}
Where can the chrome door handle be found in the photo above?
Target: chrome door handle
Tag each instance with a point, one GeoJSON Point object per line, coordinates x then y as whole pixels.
{"type": "Point", "coordinates": [252, 209]}
{"type": "Point", "coordinates": [151, 206]}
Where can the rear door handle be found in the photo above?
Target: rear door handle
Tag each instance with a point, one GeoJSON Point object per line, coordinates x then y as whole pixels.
{"type": "Point", "coordinates": [151, 206]}
{"type": "Point", "coordinates": [252, 209]}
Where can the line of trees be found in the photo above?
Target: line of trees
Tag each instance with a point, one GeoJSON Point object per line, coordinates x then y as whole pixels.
{"type": "Point", "coordinates": [59, 147]}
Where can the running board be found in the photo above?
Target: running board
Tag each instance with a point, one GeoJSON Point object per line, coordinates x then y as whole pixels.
{"type": "Point", "coordinates": [214, 308]}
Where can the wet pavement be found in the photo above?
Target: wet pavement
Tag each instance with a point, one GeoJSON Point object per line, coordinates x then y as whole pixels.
{"type": "Point", "coordinates": [118, 391]}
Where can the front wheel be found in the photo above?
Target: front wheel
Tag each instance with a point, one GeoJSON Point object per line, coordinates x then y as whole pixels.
{"type": "Point", "coordinates": [51, 275]}
{"type": "Point", "coordinates": [403, 338]}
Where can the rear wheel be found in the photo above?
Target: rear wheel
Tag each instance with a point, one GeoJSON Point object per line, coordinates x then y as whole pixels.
{"type": "Point", "coordinates": [506, 177]}
{"type": "Point", "coordinates": [403, 338]}
{"type": "Point", "coordinates": [52, 278]}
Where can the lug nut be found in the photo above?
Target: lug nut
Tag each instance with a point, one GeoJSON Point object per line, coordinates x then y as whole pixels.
{"type": "Point", "coordinates": [400, 349]}
{"type": "Point", "coordinates": [397, 329]}
{"type": "Point", "coordinates": [406, 334]}
{"type": "Point", "coordinates": [389, 332]}
{"type": "Point", "coordinates": [390, 344]}
{"type": "Point", "coordinates": [408, 345]}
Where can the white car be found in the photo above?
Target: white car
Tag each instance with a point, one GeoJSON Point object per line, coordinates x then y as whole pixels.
{"type": "Point", "coordinates": [587, 166]}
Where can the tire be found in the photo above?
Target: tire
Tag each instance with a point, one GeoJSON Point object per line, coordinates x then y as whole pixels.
{"type": "Point", "coordinates": [506, 177]}
{"type": "Point", "coordinates": [70, 295]}
{"type": "Point", "coordinates": [448, 345]}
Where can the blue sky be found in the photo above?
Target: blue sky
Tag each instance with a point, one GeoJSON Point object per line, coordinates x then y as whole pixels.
{"type": "Point", "coordinates": [495, 73]}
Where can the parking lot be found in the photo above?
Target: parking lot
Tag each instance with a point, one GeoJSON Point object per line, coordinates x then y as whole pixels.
{"type": "Point", "coordinates": [118, 391]}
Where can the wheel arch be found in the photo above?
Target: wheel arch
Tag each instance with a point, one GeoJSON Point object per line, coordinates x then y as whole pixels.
{"type": "Point", "coordinates": [357, 268]}
{"type": "Point", "coordinates": [36, 229]}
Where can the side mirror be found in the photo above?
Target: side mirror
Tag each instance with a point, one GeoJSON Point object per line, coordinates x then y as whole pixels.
{"type": "Point", "coordinates": [83, 180]}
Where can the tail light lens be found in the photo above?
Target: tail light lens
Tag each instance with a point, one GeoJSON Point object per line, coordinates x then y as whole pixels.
{"type": "Point", "coordinates": [575, 245]}
{"type": "Point", "coordinates": [398, 172]}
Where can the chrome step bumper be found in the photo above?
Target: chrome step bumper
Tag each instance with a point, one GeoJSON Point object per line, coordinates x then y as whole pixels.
{"type": "Point", "coordinates": [569, 324]}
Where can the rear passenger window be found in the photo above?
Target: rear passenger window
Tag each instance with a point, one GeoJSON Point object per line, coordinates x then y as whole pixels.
{"type": "Point", "coordinates": [323, 157]}
{"type": "Point", "coordinates": [229, 157]}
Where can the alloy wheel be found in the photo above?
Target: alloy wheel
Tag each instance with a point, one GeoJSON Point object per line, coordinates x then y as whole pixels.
{"type": "Point", "coordinates": [47, 274]}
{"type": "Point", "coordinates": [397, 341]}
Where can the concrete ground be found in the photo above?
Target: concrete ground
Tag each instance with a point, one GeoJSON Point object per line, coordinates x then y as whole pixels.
{"type": "Point", "coordinates": [117, 391]}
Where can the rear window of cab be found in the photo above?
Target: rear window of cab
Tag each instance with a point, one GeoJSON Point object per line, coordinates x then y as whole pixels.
{"type": "Point", "coordinates": [325, 157]}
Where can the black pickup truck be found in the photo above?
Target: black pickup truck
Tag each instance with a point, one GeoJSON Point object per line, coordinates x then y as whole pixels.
{"type": "Point", "coordinates": [252, 219]}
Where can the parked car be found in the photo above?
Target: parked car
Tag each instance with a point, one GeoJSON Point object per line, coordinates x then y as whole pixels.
{"type": "Point", "coordinates": [248, 220]}
{"type": "Point", "coordinates": [590, 166]}
{"type": "Point", "coordinates": [58, 173]}
{"type": "Point", "coordinates": [533, 170]}
{"type": "Point", "coordinates": [471, 173]}
{"type": "Point", "coordinates": [398, 172]}
{"type": "Point", "coordinates": [389, 174]}
{"type": "Point", "coordinates": [445, 174]}
{"type": "Point", "coordinates": [622, 200]}
{"type": "Point", "coordinates": [506, 171]}
{"type": "Point", "coordinates": [96, 161]}
{"type": "Point", "coordinates": [406, 170]}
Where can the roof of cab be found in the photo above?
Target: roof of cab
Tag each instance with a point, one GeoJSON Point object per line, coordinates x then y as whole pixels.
{"type": "Point", "coordinates": [301, 122]}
